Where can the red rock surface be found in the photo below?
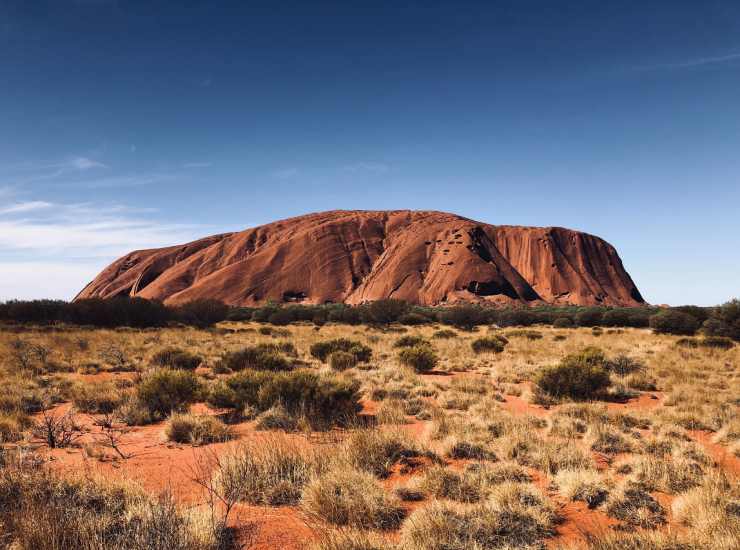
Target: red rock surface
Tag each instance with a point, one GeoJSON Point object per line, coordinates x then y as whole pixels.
{"type": "Point", "coordinates": [422, 257]}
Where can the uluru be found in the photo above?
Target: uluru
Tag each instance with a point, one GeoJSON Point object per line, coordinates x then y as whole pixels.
{"type": "Point", "coordinates": [423, 257]}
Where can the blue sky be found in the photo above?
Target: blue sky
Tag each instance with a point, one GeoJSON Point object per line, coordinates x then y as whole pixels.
{"type": "Point", "coordinates": [127, 125]}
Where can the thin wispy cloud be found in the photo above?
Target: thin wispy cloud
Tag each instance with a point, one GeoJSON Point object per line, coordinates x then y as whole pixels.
{"type": "Point", "coordinates": [197, 165]}
{"type": "Point", "coordinates": [23, 207]}
{"type": "Point", "coordinates": [83, 231]}
{"type": "Point", "coordinates": [122, 181]}
{"type": "Point", "coordinates": [84, 163]}
{"type": "Point", "coordinates": [732, 58]}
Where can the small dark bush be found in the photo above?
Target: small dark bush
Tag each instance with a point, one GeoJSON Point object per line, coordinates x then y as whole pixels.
{"type": "Point", "coordinates": [489, 344]}
{"type": "Point", "coordinates": [670, 321]}
{"type": "Point", "coordinates": [465, 317]}
{"type": "Point", "coordinates": [525, 333]}
{"type": "Point", "coordinates": [687, 342]}
{"type": "Point", "coordinates": [578, 376]}
{"type": "Point", "coordinates": [322, 350]}
{"type": "Point", "coordinates": [717, 342]}
{"type": "Point", "coordinates": [260, 357]}
{"type": "Point", "coordinates": [413, 319]}
{"type": "Point", "coordinates": [724, 321]}
{"type": "Point", "coordinates": [589, 317]}
{"type": "Point", "coordinates": [563, 322]}
{"type": "Point", "coordinates": [386, 311]}
{"type": "Point", "coordinates": [202, 313]}
{"type": "Point", "coordinates": [419, 358]}
{"type": "Point", "coordinates": [444, 334]}
{"type": "Point", "coordinates": [410, 341]}
{"type": "Point", "coordinates": [342, 360]}
{"type": "Point", "coordinates": [322, 400]}
{"type": "Point", "coordinates": [175, 358]}
{"type": "Point", "coordinates": [165, 390]}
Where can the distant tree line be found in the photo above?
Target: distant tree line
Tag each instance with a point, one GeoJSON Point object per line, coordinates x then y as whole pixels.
{"type": "Point", "coordinates": [722, 320]}
{"type": "Point", "coordinates": [114, 312]}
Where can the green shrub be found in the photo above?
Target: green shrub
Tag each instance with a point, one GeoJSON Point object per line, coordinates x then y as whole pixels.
{"type": "Point", "coordinates": [260, 357]}
{"type": "Point", "coordinates": [196, 429]}
{"type": "Point", "coordinates": [577, 376]}
{"type": "Point", "coordinates": [175, 358]}
{"type": "Point", "coordinates": [419, 358]}
{"type": "Point", "coordinates": [342, 360]}
{"type": "Point", "coordinates": [165, 390]}
{"type": "Point", "coordinates": [671, 321]}
{"type": "Point", "coordinates": [322, 350]}
{"type": "Point", "coordinates": [444, 334]}
{"type": "Point", "coordinates": [489, 344]}
{"type": "Point", "coordinates": [322, 399]}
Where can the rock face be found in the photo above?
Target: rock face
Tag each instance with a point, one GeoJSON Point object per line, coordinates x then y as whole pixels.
{"type": "Point", "coordinates": [426, 258]}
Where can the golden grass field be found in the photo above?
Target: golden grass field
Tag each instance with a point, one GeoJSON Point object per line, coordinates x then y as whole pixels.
{"type": "Point", "coordinates": [471, 455]}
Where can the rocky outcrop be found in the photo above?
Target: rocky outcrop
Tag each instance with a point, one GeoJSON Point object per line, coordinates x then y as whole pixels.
{"type": "Point", "coordinates": [427, 258]}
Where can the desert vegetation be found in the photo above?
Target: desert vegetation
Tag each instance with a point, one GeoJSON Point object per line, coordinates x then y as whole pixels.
{"type": "Point", "coordinates": [377, 427]}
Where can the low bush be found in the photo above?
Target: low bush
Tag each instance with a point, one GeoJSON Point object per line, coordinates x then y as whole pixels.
{"type": "Point", "coordinates": [196, 429]}
{"type": "Point", "coordinates": [342, 360]}
{"type": "Point", "coordinates": [323, 400]}
{"type": "Point", "coordinates": [164, 391]}
{"type": "Point", "coordinates": [671, 321]}
{"type": "Point", "coordinates": [489, 344]}
{"type": "Point", "coordinates": [322, 350]}
{"type": "Point", "coordinates": [419, 358]}
{"type": "Point", "coordinates": [97, 397]}
{"type": "Point", "coordinates": [409, 341]}
{"type": "Point", "coordinates": [563, 322]}
{"type": "Point", "coordinates": [260, 357]}
{"type": "Point", "coordinates": [623, 365]}
{"type": "Point", "coordinates": [175, 358]}
{"type": "Point", "coordinates": [444, 334]}
{"type": "Point", "coordinates": [525, 333]}
{"type": "Point", "coordinates": [320, 399]}
{"type": "Point", "coordinates": [724, 321]}
{"type": "Point", "coordinates": [688, 342]}
{"type": "Point", "coordinates": [579, 376]}
{"type": "Point", "coordinates": [716, 342]}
